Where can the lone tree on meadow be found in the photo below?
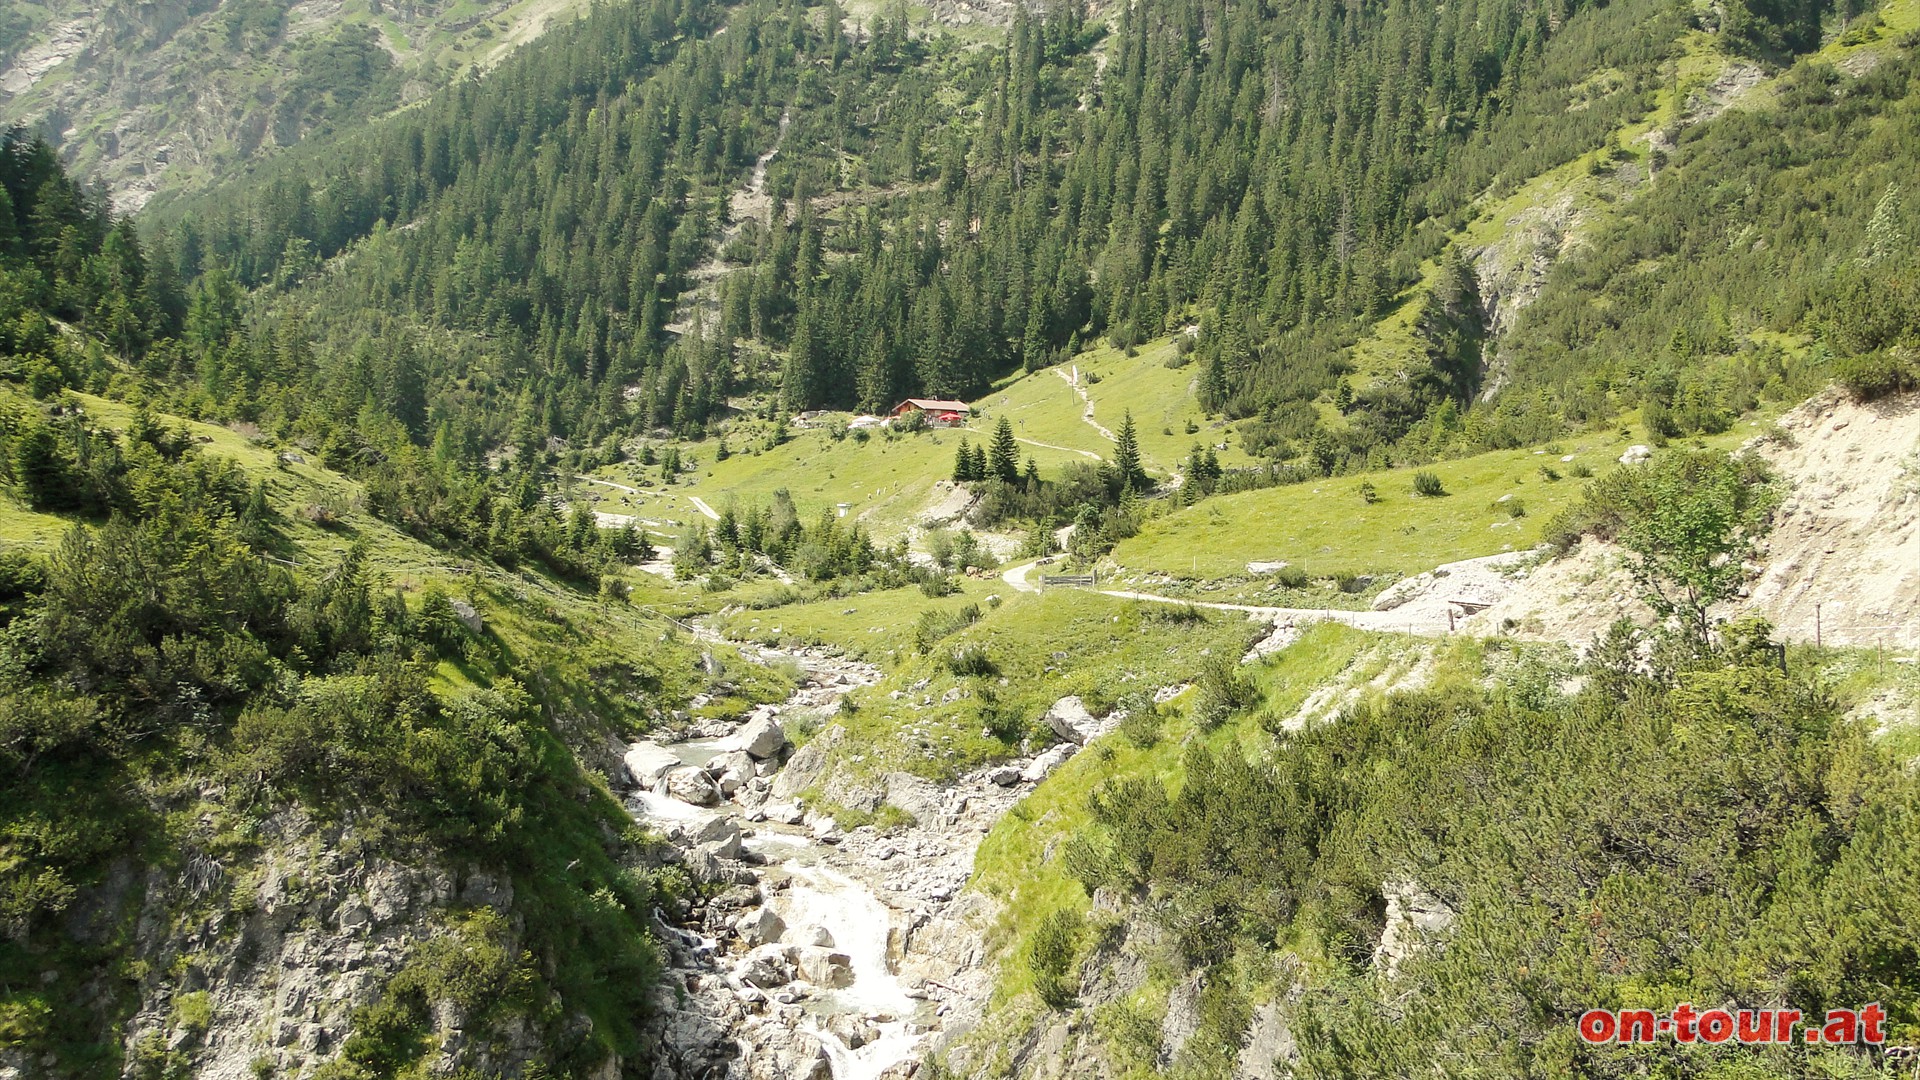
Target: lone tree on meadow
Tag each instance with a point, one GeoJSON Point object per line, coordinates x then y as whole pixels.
{"type": "Point", "coordinates": [1126, 457]}
{"type": "Point", "coordinates": [1003, 456]}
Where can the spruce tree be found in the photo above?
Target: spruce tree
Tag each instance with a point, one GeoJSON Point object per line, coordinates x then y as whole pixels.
{"type": "Point", "coordinates": [42, 469]}
{"type": "Point", "coordinates": [9, 229]}
{"type": "Point", "coordinates": [962, 463]}
{"type": "Point", "coordinates": [1003, 460]}
{"type": "Point", "coordinates": [1033, 345]}
{"type": "Point", "coordinates": [1126, 457]}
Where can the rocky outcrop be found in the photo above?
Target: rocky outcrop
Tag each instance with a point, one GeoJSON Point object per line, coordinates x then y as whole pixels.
{"type": "Point", "coordinates": [134, 93]}
{"type": "Point", "coordinates": [1415, 917]}
{"type": "Point", "coordinates": [647, 762]}
{"type": "Point", "coordinates": [263, 965]}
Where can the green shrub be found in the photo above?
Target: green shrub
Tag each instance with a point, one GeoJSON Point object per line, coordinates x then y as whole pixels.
{"type": "Point", "coordinates": [1141, 727]}
{"type": "Point", "coordinates": [1176, 614]}
{"type": "Point", "coordinates": [1050, 958]}
{"type": "Point", "coordinates": [1877, 374]}
{"type": "Point", "coordinates": [1221, 690]}
{"type": "Point", "coordinates": [1291, 577]}
{"type": "Point", "coordinates": [193, 1011]}
{"type": "Point", "coordinates": [935, 625]}
{"type": "Point", "coordinates": [1428, 485]}
{"type": "Point", "coordinates": [971, 660]}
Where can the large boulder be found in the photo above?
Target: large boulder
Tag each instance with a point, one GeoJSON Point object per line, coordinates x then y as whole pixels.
{"type": "Point", "coordinates": [731, 771]}
{"type": "Point", "coordinates": [691, 785]}
{"type": "Point", "coordinates": [784, 813]}
{"type": "Point", "coordinates": [761, 926]}
{"type": "Point", "coordinates": [647, 762]}
{"type": "Point", "coordinates": [822, 966]}
{"type": "Point", "coordinates": [468, 616]}
{"type": "Point", "coordinates": [1070, 720]}
{"type": "Point", "coordinates": [1003, 775]}
{"type": "Point", "coordinates": [765, 966]}
{"type": "Point", "coordinates": [761, 737]}
{"type": "Point", "coordinates": [808, 766]}
{"type": "Point", "coordinates": [714, 830]}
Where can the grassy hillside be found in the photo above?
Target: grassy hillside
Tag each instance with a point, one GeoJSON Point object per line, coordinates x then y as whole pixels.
{"type": "Point", "coordinates": [1497, 501]}
{"type": "Point", "coordinates": [888, 478]}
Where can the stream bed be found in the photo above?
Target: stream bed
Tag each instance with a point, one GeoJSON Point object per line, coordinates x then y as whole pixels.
{"type": "Point", "coordinates": [822, 952]}
{"type": "Point", "coordinates": [798, 967]}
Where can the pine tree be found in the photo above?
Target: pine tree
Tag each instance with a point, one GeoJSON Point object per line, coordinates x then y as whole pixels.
{"type": "Point", "coordinates": [1033, 345]}
{"type": "Point", "coordinates": [1126, 457]}
{"type": "Point", "coordinates": [42, 469]}
{"type": "Point", "coordinates": [1884, 236]}
{"type": "Point", "coordinates": [1003, 460]}
{"type": "Point", "coordinates": [962, 463]}
{"type": "Point", "coordinates": [256, 518]}
{"type": "Point", "coordinates": [9, 228]}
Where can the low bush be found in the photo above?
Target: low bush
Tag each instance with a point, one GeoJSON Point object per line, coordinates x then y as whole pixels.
{"type": "Point", "coordinates": [1877, 374]}
{"type": "Point", "coordinates": [1221, 690]}
{"type": "Point", "coordinates": [971, 660]}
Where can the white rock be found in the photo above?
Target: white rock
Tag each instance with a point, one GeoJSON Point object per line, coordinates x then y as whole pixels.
{"type": "Point", "coordinates": [765, 967]}
{"type": "Point", "coordinates": [647, 762]}
{"type": "Point", "coordinates": [823, 967]}
{"type": "Point", "coordinates": [1070, 720]}
{"type": "Point", "coordinates": [1042, 767]}
{"type": "Point", "coordinates": [1004, 775]}
{"type": "Point", "coordinates": [691, 785]}
{"type": "Point", "coordinates": [784, 813]}
{"type": "Point", "coordinates": [714, 830]}
{"type": "Point", "coordinates": [468, 616]}
{"type": "Point", "coordinates": [1636, 454]}
{"type": "Point", "coordinates": [760, 926]}
{"type": "Point", "coordinates": [761, 737]}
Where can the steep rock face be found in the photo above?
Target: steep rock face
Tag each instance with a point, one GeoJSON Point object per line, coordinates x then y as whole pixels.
{"type": "Point", "coordinates": [142, 95]}
{"type": "Point", "coordinates": [265, 963]}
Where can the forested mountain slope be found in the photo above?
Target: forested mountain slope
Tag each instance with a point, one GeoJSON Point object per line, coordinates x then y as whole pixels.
{"type": "Point", "coordinates": [284, 786]}
{"type": "Point", "coordinates": [1276, 176]}
{"type": "Point", "coordinates": [484, 389]}
{"type": "Point", "coordinates": [145, 96]}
